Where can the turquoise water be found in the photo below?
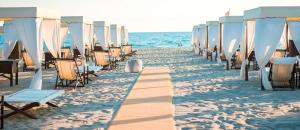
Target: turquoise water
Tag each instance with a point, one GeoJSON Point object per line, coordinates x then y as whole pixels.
{"type": "Point", "coordinates": [150, 39]}
{"type": "Point", "coordinates": [160, 39]}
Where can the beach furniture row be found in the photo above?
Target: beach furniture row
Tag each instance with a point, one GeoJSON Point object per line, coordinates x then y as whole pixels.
{"type": "Point", "coordinates": [264, 39]}
{"type": "Point", "coordinates": [27, 31]}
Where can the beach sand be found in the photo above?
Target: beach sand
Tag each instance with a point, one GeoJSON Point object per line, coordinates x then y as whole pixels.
{"type": "Point", "coordinates": [205, 97]}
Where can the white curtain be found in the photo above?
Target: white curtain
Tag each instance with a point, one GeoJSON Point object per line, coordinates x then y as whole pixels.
{"type": "Point", "coordinates": [213, 36]}
{"type": "Point", "coordinates": [51, 36]}
{"type": "Point", "coordinates": [115, 36]}
{"type": "Point", "coordinates": [123, 35]}
{"type": "Point", "coordinates": [63, 34]}
{"type": "Point", "coordinates": [108, 36]}
{"type": "Point", "coordinates": [267, 35]}
{"type": "Point", "coordinates": [126, 36]}
{"type": "Point", "coordinates": [202, 32]}
{"type": "Point", "coordinates": [88, 35]}
{"type": "Point", "coordinates": [77, 36]}
{"type": "Point", "coordinates": [250, 40]}
{"type": "Point", "coordinates": [194, 36]}
{"type": "Point", "coordinates": [231, 38]}
{"type": "Point", "coordinates": [100, 35]}
{"type": "Point", "coordinates": [294, 27]}
{"type": "Point", "coordinates": [28, 30]}
{"type": "Point", "coordinates": [10, 38]}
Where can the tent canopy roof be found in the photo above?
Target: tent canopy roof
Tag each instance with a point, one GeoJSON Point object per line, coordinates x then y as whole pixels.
{"type": "Point", "coordinates": [212, 23]}
{"type": "Point", "coordinates": [9, 13]}
{"type": "Point", "coordinates": [231, 19]}
{"type": "Point", "coordinates": [75, 19]}
{"type": "Point", "coordinates": [99, 23]}
{"type": "Point", "coordinates": [272, 12]}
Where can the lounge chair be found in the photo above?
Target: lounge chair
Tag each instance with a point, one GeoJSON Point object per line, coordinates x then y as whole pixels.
{"type": "Point", "coordinates": [251, 58]}
{"type": "Point", "coordinates": [49, 59]}
{"type": "Point", "coordinates": [236, 61]}
{"type": "Point", "coordinates": [28, 63]}
{"type": "Point", "coordinates": [68, 71]}
{"type": "Point", "coordinates": [66, 53]}
{"type": "Point", "coordinates": [282, 72]}
{"type": "Point", "coordinates": [209, 55]}
{"type": "Point", "coordinates": [127, 50]}
{"type": "Point", "coordinates": [102, 59]}
{"type": "Point", "coordinates": [76, 53]}
{"type": "Point", "coordinates": [31, 98]}
{"type": "Point", "coordinates": [115, 55]}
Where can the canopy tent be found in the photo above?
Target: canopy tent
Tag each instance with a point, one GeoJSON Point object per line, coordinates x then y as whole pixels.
{"type": "Point", "coordinates": [231, 35]}
{"type": "Point", "coordinates": [81, 31]}
{"type": "Point", "coordinates": [212, 34]}
{"type": "Point", "coordinates": [195, 37]}
{"type": "Point", "coordinates": [263, 21]}
{"type": "Point", "coordinates": [32, 26]}
{"type": "Point", "coordinates": [101, 34]}
{"type": "Point", "coordinates": [124, 35]}
{"type": "Point", "coordinates": [115, 35]}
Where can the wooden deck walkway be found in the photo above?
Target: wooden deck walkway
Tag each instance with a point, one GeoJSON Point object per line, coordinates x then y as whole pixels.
{"type": "Point", "coordinates": [149, 104]}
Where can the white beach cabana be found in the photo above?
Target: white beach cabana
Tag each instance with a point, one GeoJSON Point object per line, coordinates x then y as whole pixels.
{"type": "Point", "coordinates": [264, 27]}
{"type": "Point", "coordinates": [124, 35]}
{"type": "Point", "coordinates": [101, 34]}
{"type": "Point", "coordinates": [231, 36]}
{"type": "Point", "coordinates": [32, 26]}
{"type": "Point", "coordinates": [81, 31]}
{"type": "Point", "coordinates": [212, 36]}
{"type": "Point", "coordinates": [115, 35]}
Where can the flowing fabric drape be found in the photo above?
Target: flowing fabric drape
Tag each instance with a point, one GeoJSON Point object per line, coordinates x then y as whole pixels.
{"type": "Point", "coordinates": [202, 37]}
{"type": "Point", "coordinates": [29, 32]}
{"type": "Point", "coordinates": [232, 38]}
{"type": "Point", "coordinates": [10, 38]}
{"type": "Point", "coordinates": [88, 35]}
{"type": "Point", "coordinates": [294, 27]}
{"type": "Point", "coordinates": [114, 34]}
{"type": "Point", "coordinates": [267, 36]}
{"type": "Point", "coordinates": [51, 36]}
{"type": "Point", "coordinates": [123, 35]}
{"type": "Point", "coordinates": [126, 36]}
{"type": "Point", "coordinates": [63, 34]}
{"type": "Point", "coordinates": [108, 36]}
{"type": "Point", "coordinates": [213, 36]}
{"type": "Point", "coordinates": [100, 35]}
{"type": "Point", "coordinates": [77, 36]}
{"type": "Point", "coordinates": [250, 40]}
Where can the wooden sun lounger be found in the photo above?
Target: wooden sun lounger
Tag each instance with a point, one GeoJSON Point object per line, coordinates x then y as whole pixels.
{"type": "Point", "coordinates": [31, 97]}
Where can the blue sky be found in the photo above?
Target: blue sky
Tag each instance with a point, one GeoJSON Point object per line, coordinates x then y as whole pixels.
{"type": "Point", "coordinates": [150, 15]}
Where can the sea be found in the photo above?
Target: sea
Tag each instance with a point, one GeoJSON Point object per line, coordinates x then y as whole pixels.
{"type": "Point", "coordinates": [149, 39]}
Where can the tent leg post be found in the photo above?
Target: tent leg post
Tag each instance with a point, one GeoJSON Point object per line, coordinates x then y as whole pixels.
{"type": "Point", "coordinates": [227, 65]}
{"type": "Point", "coordinates": [246, 73]}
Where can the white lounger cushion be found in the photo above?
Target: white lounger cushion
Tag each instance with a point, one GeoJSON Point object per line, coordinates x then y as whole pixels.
{"type": "Point", "coordinates": [33, 95]}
